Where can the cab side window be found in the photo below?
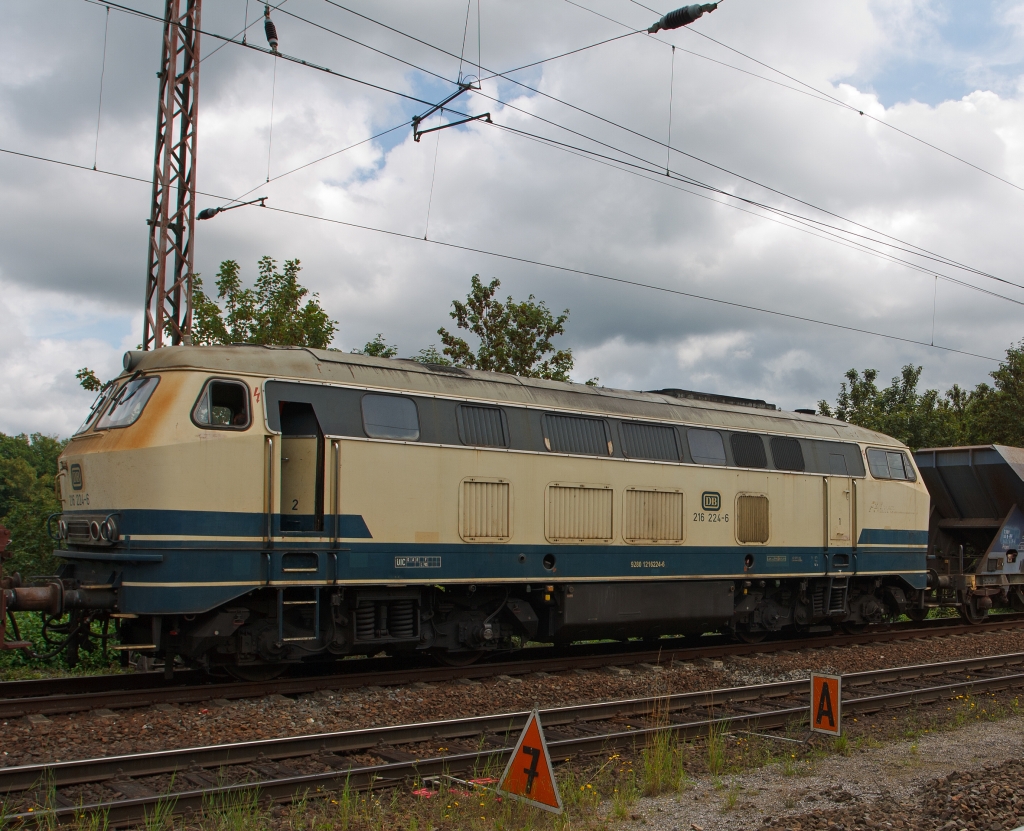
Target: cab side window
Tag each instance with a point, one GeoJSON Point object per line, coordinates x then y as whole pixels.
{"type": "Point", "coordinates": [224, 405]}
{"type": "Point", "coordinates": [890, 464]}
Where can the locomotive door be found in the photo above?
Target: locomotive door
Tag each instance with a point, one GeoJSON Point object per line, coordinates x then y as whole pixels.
{"type": "Point", "coordinates": [302, 468]}
{"type": "Point", "coordinates": [840, 523]}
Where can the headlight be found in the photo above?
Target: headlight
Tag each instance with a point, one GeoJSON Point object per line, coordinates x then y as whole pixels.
{"type": "Point", "coordinates": [94, 531]}
{"type": "Point", "coordinates": [108, 529]}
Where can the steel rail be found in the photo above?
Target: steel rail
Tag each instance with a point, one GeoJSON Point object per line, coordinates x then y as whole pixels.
{"type": "Point", "coordinates": [120, 698]}
{"type": "Point", "coordinates": [62, 774]}
{"type": "Point", "coordinates": [122, 812]}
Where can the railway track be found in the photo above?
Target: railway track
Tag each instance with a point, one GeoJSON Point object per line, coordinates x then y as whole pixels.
{"type": "Point", "coordinates": [51, 696]}
{"type": "Point", "coordinates": [126, 788]}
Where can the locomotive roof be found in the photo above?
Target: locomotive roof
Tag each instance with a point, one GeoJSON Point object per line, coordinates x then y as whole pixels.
{"type": "Point", "coordinates": [329, 366]}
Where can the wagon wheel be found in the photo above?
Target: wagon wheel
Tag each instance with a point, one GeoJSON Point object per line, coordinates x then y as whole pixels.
{"type": "Point", "coordinates": [970, 612]}
{"type": "Point", "coordinates": [457, 659]}
{"type": "Point", "coordinates": [917, 615]}
{"type": "Point", "coordinates": [255, 672]}
{"type": "Point", "coordinates": [748, 636]}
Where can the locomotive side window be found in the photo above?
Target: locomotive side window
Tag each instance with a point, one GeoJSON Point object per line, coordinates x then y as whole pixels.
{"type": "Point", "coordinates": [128, 403]}
{"type": "Point", "coordinates": [890, 464]}
{"type": "Point", "coordinates": [748, 450]}
{"type": "Point", "coordinates": [575, 434]}
{"type": "Point", "coordinates": [482, 426]}
{"type": "Point", "coordinates": [706, 446]}
{"type": "Point", "coordinates": [223, 404]}
{"type": "Point", "coordinates": [390, 417]}
{"type": "Point", "coordinates": [787, 455]}
{"type": "Point", "coordinates": [649, 441]}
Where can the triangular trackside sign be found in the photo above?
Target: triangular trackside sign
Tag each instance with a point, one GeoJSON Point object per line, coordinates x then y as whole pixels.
{"type": "Point", "coordinates": [528, 775]}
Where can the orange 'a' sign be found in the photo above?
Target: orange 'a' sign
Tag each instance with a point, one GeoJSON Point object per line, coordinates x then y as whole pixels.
{"type": "Point", "coordinates": [528, 775]}
{"type": "Point", "coordinates": [825, 704]}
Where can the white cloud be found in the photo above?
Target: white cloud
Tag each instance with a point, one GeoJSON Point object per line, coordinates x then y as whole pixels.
{"type": "Point", "coordinates": [75, 241]}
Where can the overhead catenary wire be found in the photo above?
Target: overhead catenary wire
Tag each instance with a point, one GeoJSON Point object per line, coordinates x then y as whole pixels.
{"type": "Point", "coordinates": [270, 140]}
{"type": "Point", "coordinates": [822, 93]}
{"type": "Point", "coordinates": [831, 230]}
{"type": "Point", "coordinates": [542, 264]}
{"type": "Point", "coordinates": [411, 97]}
{"type": "Point", "coordinates": [926, 252]}
{"type": "Point", "coordinates": [103, 73]}
{"type": "Point", "coordinates": [913, 250]}
{"type": "Point", "coordinates": [671, 96]}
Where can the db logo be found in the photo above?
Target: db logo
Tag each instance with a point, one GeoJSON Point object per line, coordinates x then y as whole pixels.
{"type": "Point", "coordinates": [711, 500]}
{"type": "Point", "coordinates": [76, 477]}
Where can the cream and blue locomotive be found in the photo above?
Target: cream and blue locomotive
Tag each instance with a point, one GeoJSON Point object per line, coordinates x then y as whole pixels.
{"type": "Point", "coordinates": [243, 507]}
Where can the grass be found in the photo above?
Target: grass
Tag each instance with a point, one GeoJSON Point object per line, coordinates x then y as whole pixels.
{"type": "Point", "coordinates": [597, 795]}
{"type": "Point", "coordinates": [15, 665]}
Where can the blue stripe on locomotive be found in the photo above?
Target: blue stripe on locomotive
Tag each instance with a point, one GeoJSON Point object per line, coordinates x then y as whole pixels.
{"type": "Point", "coordinates": [171, 575]}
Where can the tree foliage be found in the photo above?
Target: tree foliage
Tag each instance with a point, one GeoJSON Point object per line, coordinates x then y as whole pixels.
{"type": "Point", "coordinates": [378, 348]}
{"type": "Point", "coordinates": [28, 470]}
{"type": "Point", "coordinates": [985, 415]}
{"type": "Point", "coordinates": [270, 312]}
{"type": "Point", "coordinates": [513, 337]}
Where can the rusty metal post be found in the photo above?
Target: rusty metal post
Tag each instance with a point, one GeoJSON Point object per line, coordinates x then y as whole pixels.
{"type": "Point", "coordinates": [168, 313]}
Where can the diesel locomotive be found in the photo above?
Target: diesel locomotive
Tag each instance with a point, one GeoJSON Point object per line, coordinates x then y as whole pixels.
{"type": "Point", "coordinates": [243, 508]}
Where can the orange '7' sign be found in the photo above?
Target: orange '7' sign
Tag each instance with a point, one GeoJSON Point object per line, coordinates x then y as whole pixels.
{"type": "Point", "coordinates": [528, 775]}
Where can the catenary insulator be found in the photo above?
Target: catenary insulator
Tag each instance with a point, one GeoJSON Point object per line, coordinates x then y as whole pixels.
{"type": "Point", "coordinates": [270, 28]}
{"type": "Point", "coordinates": [683, 16]}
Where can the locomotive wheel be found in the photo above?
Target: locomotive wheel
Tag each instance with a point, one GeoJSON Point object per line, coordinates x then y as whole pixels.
{"type": "Point", "coordinates": [854, 628]}
{"type": "Point", "coordinates": [970, 612]}
{"type": "Point", "coordinates": [917, 615]}
{"type": "Point", "coordinates": [457, 659]}
{"type": "Point", "coordinates": [255, 672]}
{"type": "Point", "coordinates": [747, 636]}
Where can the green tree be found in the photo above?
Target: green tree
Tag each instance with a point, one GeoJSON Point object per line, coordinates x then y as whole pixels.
{"type": "Point", "coordinates": [378, 348]}
{"type": "Point", "coordinates": [514, 337]}
{"type": "Point", "coordinates": [985, 415]}
{"type": "Point", "coordinates": [28, 470]}
{"type": "Point", "coordinates": [431, 355]}
{"type": "Point", "coordinates": [270, 312]}
{"type": "Point", "coordinates": [89, 379]}
{"type": "Point", "coordinates": [918, 419]}
{"type": "Point", "coordinates": [998, 411]}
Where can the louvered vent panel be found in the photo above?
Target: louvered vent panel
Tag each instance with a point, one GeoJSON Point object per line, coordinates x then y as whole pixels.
{"type": "Point", "coordinates": [649, 441]}
{"type": "Point", "coordinates": [485, 510]}
{"type": "Point", "coordinates": [574, 434]}
{"type": "Point", "coordinates": [578, 513]}
{"type": "Point", "coordinates": [787, 454]}
{"type": "Point", "coordinates": [748, 450]}
{"type": "Point", "coordinates": [653, 516]}
{"type": "Point", "coordinates": [752, 519]}
{"type": "Point", "coordinates": [481, 426]}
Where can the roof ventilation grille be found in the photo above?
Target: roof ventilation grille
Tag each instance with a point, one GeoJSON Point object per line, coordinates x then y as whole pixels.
{"type": "Point", "coordinates": [756, 403]}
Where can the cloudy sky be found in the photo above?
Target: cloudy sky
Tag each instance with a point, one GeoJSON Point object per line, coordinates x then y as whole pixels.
{"type": "Point", "coordinates": [73, 242]}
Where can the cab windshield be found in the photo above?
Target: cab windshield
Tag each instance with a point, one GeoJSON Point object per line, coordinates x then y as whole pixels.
{"type": "Point", "coordinates": [98, 404]}
{"type": "Point", "coordinates": [127, 403]}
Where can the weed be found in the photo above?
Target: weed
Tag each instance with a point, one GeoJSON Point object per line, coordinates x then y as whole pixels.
{"type": "Point", "coordinates": [716, 757]}
{"type": "Point", "coordinates": [235, 811]}
{"type": "Point", "coordinates": [625, 795]}
{"type": "Point", "coordinates": [731, 797]}
{"type": "Point", "coordinates": [662, 764]}
{"type": "Point", "coordinates": [841, 745]}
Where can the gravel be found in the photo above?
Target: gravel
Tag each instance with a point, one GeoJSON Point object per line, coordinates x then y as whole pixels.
{"type": "Point", "coordinates": [969, 778]}
{"type": "Point", "coordinates": [76, 736]}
